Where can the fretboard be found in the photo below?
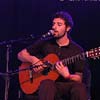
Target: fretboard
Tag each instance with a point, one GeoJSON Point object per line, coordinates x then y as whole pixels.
{"type": "Point", "coordinates": [75, 58]}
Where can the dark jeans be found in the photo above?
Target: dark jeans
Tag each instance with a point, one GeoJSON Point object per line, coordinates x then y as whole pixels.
{"type": "Point", "coordinates": [50, 90]}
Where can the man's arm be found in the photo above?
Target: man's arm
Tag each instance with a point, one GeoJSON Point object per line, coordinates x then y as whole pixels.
{"type": "Point", "coordinates": [64, 71]}
{"type": "Point", "coordinates": [76, 77]}
{"type": "Point", "coordinates": [24, 56]}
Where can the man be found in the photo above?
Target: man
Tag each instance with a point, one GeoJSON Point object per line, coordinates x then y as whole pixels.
{"type": "Point", "coordinates": [69, 82]}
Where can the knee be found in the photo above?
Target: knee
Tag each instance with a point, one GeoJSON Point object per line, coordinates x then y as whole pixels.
{"type": "Point", "coordinates": [79, 91]}
{"type": "Point", "coordinates": [78, 88]}
{"type": "Point", "coordinates": [47, 83]}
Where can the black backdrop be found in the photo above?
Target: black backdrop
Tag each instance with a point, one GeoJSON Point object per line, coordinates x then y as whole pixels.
{"type": "Point", "coordinates": [20, 18]}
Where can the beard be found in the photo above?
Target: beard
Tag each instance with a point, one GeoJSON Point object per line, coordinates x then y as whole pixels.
{"type": "Point", "coordinates": [60, 36]}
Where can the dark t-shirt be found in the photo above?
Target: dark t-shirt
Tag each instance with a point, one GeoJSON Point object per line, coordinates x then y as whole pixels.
{"type": "Point", "coordinates": [42, 48]}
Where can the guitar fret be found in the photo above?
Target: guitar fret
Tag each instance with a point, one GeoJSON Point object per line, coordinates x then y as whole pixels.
{"type": "Point", "coordinates": [72, 60]}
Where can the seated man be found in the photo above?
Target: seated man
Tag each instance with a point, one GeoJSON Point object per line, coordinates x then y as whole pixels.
{"type": "Point", "coordinates": [68, 68]}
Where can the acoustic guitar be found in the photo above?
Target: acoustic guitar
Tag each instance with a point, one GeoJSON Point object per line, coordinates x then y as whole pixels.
{"type": "Point", "coordinates": [30, 80]}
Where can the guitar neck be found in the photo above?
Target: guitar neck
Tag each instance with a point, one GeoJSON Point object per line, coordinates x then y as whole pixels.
{"type": "Point", "coordinates": [75, 58]}
{"type": "Point", "coordinates": [93, 53]}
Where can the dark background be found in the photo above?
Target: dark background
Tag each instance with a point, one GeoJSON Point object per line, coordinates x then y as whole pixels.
{"type": "Point", "coordinates": [21, 18]}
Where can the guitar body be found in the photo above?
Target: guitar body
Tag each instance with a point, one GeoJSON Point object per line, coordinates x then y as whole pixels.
{"type": "Point", "coordinates": [28, 86]}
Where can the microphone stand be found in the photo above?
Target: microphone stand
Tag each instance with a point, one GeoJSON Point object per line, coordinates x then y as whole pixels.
{"type": "Point", "coordinates": [7, 78]}
{"type": "Point", "coordinates": [6, 75]}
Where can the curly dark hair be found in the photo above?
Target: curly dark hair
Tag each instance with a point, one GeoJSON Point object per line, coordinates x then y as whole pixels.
{"type": "Point", "coordinates": [65, 16]}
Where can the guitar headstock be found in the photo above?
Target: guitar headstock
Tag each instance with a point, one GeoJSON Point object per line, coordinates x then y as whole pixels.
{"type": "Point", "coordinates": [94, 53]}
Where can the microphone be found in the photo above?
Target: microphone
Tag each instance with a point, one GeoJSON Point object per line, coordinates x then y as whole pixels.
{"type": "Point", "coordinates": [49, 33]}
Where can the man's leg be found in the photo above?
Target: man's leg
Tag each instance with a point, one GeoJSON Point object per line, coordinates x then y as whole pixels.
{"type": "Point", "coordinates": [47, 90]}
{"type": "Point", "coordinates": [78, 92]}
